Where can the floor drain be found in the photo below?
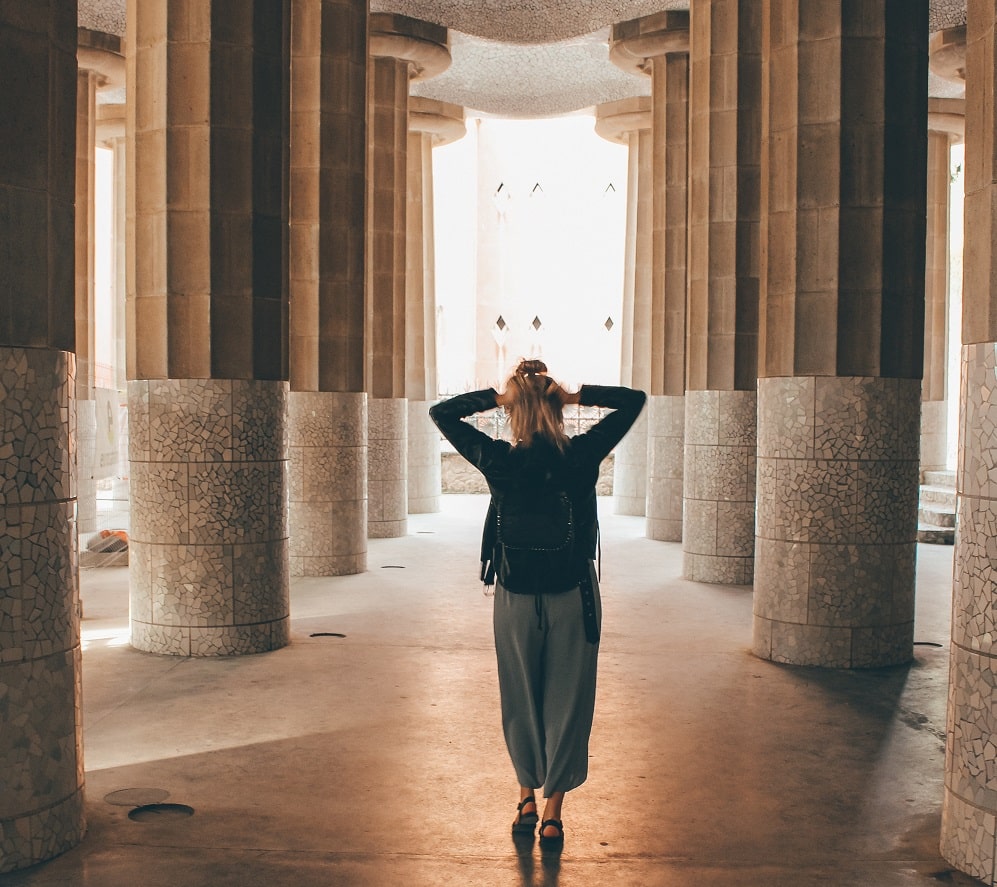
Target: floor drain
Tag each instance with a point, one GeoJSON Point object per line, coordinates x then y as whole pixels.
{"type": "Point", "coordinates": [160, 812]}
{"type": "Point", "coordinates": [926, 644]}
{"type": "Point", "coordinates": [137, 797]}
{"type": "Point", "coordinates": [392, 567]}
{"type": "Point", "coordinates": [326, 634]}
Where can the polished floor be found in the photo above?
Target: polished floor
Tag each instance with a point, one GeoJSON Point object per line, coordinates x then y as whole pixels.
{"type": "Point", "coordinates": [369, 752]}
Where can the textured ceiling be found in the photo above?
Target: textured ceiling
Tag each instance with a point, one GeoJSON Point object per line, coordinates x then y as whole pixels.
{"type": "Point", "coordinates": [529, 58]}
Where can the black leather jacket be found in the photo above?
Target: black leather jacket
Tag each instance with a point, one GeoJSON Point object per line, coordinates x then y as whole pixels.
{"type": "Point", "coordinates": [505, 465]}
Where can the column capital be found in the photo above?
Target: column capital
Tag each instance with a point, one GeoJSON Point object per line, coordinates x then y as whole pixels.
{"type": "Point", "coordinates": [442, 120]}
{"type": "Point", "coordinates": [633, 43]}
{"type": "Point", "coordinates": [948, 115]}
{"type": "Point", "coordinates": [947, 54]}
{"type": "Point", "coordinates": [614, 121]}
{"type": "Point", "coordinates": [101, 53]}
{"type": "Point", "coordinates": [425, 46]}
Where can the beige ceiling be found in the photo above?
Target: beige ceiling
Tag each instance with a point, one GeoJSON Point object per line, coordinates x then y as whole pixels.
{"type": "Point", "coordinates": [530, 58]}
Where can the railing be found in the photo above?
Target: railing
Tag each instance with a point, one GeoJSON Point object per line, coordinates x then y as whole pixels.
{"type": "Point", "coordinates": [577, 419]}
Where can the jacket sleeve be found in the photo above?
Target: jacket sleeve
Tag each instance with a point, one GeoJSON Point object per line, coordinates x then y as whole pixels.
{"type": "Point", "coordinates": [626, 405]}
{"type": "Point", "coordinates": [482, 451]}
{"type": "Point", "coordinates": [478, 448]}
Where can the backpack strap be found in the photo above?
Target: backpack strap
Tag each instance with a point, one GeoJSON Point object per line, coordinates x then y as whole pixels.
{"type": "Point", "coordinates": [585, 585]}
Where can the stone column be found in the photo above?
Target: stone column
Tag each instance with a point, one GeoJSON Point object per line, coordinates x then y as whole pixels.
{"type": "Point", "coordinates": [100, 67]}
{"type": "Point", "coordinates": [946, 126]}
{"type": "Point", "coordinates": [41, 750]}
{"type": "Point", "coordinates": [86, 412]}
{"type": "Point", "coordinates": [207, 351]}
{"type": "Point", "coordinates": [969, 808]}
{"type": "Point", "coordinates": [327, 416]}
{"type": "Point", "coordinates": [841, 332]}
{"type": "Point", "coordinates": [111, 123]}
{"type": "Point", "coordinates": [431, 123]}
{"type": "Point", "coordinates": [401, 49]}
{"type": "Point", "coordinates": [629, 122]}
{"type": "Point", "coordinates": [718, 538]}
{"type": "Point", "coordinates": [658, 45]}
{"type": "Point", "coordinates": [934, 406]}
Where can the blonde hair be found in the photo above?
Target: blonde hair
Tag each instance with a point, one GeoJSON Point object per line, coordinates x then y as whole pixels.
{"type": "Point", "coordinates": [536, 409]}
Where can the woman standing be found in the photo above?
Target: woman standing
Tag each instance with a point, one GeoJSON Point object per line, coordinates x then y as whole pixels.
{"type": "Point", "coordinates": [547, 609]}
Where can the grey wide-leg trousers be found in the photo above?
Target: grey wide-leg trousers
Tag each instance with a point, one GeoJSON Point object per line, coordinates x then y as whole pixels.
{"type": "Point", "coordinates": [547, 672]}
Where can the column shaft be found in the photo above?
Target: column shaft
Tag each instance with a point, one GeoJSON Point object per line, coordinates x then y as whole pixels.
{"type": "Point", "coordinates": [86, 415]}
{"type": "Point", "coordinates": [670, 97]}
{"type": "Point", "coordinates": [629, 122]}
{"type": "Point", "coordinates": [41, 750]}
{"type": "Point", "coordinates": [934, 402]}
{"type": "Point", "coordinates": [387, 481]}
{"type": "Point", "coordinates": [840, 335]}
{"type": "Point", "coordinates": [969, 808]}
{"type": "Point", "coordinates": [724, 205]}
{"type": "Point", "coordinates": [670, 128]}
{"type": "Point", "coordinates": [659, 45]}
{"type": "Point", "coordinates": [400, 49]}
{"type": "Point", "coordinates": [424, 466]}
{"type": "Point", "coordinates": [431, 123]}
{"type": "Point", "coordinates": [327, 419]}
{"type": "Point", "coordinates": [207, 136]}
{"type": "Point", "coordinates": [630, 468]}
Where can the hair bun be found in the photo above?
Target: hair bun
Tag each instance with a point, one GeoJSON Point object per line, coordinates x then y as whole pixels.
{"type": "Point", "coordinates": [531, 368]}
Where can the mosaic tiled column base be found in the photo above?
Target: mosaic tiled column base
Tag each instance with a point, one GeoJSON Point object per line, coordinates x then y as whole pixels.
{"type": "Point", "coordinates": [387, 467]}
{"type": "Point", "coordinates": [718, 535]}
{"type": "Point", "coordinates": [934, 435]}
{"type": "Point", "coordinates": [836, 520]}
{"type": "Point", "coordinates": [208, 552]}
{"type": "Point", "coordinates": [327, 434]}
{"type": "Point", "coordinates": [969, 811]}
{"type": "Point", "coordinates": [630, 470]}
{"type": "Point", "coordinates": [41, 752]}
{"type": "Point", "coordinates": [665, 453]}
{"type": "Point", "coordinates": [425, 475]}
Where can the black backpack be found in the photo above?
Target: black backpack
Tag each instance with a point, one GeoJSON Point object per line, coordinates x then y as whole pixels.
{"type": "Point", "coordinates": [535, 541]}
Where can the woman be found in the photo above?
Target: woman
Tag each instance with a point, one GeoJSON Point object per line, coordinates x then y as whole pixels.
{"type": "Point", "coordinates": [546, 626]}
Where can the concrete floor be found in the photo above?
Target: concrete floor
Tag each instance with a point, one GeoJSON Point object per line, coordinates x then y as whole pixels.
{"type": "Point", "coordinates": [377, 758]}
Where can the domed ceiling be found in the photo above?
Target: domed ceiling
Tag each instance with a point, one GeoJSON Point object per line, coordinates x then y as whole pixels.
{"type": "Point", "coordinates": [530, 58]}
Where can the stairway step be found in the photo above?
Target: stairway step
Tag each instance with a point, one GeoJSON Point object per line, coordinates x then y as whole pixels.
{"type": "Point", "coordinates": [936, 535]}
{"type": "Point", "coordinates": [936, 517]}
{"type": "Point", "coordinates": [934, 495]}
{"type": "Point", "coordinates": [939, 479]}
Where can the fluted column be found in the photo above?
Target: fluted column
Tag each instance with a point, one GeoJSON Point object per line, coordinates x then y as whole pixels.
{"type": "Point", "coordinates": [431, 123]}
{"type": "Point", "coordinates": [111, 134]}
{"type": "Point", "coordinates": [658, 45]}
{"type": "Point", "coordinates": [629, 122]}
{"type": "Point", "coordinates": [841, 331]}
{"type": "Point", "coordinates": [718, 538]}
{"type": "Point", "coordinates": [946, 126]}
{"type": "Point", "coordinates": [207, 351]}
{"type": "Point", "coordinates": [41, 750]}
{"type": "Point", "coordinates": [86, 413]}
{"type": "Point", "coordinates": [327, 418]}
{"type": "Point", "coordinates": [100, 67]}
{"type": "Point", "coordinates": [401, 49]}
{"type": "Point", "coordinates": [969, 807]}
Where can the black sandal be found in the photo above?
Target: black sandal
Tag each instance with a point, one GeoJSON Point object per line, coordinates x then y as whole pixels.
{"type": "Point", "coordinates": [525, 822]}
{"type": "Point", "coordinates": [551, 842]}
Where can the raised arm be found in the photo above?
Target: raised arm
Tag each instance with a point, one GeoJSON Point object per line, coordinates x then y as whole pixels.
{"type": "Point", "coordinates": [625, 403]}
{"type": "Point", "coordinates": [477, 447]}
